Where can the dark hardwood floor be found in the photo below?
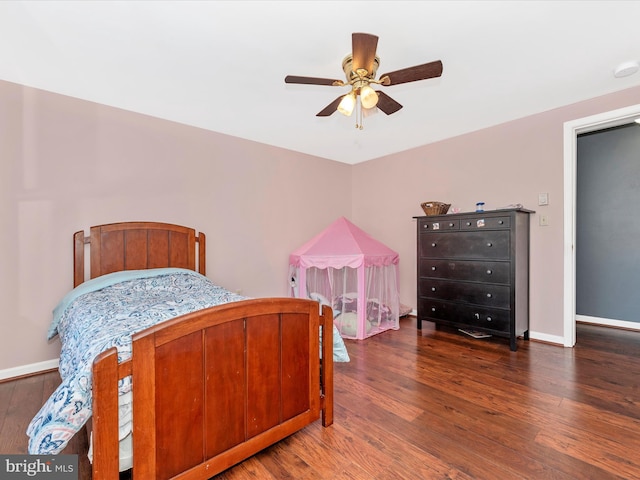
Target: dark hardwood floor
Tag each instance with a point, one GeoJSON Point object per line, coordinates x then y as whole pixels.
{"type": "Point", "coordinates": [441, 405]}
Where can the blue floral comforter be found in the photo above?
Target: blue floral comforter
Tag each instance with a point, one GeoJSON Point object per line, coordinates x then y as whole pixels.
{"type": "Point", "coordinates": [104, 313]}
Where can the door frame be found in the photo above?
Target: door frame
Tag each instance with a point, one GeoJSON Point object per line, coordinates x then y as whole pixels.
{"type": "Point", "coordinates": [572, 129]}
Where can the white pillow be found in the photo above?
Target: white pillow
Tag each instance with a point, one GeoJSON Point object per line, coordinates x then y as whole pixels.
{"type": "Point", "coordinates": [319, 298]}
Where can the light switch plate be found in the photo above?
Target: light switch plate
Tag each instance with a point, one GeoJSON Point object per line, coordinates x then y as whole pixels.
{"type": "Point", "coordinates": [543, 199]}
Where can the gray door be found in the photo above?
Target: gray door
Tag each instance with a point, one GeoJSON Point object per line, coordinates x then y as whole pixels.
{"type": "Point", "coordinates": [608, 224]}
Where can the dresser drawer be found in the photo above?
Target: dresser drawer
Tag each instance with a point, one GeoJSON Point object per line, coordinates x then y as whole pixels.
{"type": "Point", "coordinates": [464, 315]}
{"type": "Point", "coordinates": [438, 225]}
{"type": "Point", "coordinates": [492, 244]}
{"type": "Point", "coordinates": [497, 320]}
{"type": "Point", "coordinates": [489, 295]}
{"type": "Point", "coordinates": [474, 271]}
{"type": "Point", "coordinates": [485, 222]}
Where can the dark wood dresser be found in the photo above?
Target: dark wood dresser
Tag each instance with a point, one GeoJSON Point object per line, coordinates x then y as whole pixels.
{"type": "Point", "coordinates": [473, 272]}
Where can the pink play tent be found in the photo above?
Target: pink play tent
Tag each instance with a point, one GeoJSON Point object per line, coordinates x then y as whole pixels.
{"type": "Point", "coordinates": [356, 275]}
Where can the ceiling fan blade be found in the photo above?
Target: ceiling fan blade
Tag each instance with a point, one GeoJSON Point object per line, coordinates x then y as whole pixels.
{"type": "Point", "coordinates": [313, 81]}
{"type": "Point", "coordinates": [363, 50]}
{"type": "Point", "coordinates": [387, 104]}
{"type": "Point", "coordinates": [412, 74]}
{"type": "Point", "coordinates": [329, 109]}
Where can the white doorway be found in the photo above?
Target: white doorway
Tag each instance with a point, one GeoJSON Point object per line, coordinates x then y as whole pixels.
{"type": "Point", "coordinates": [571, 131]}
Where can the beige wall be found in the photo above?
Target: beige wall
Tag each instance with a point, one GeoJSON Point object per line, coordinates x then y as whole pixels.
{"type": "Point", "coordinates": [67, 164]}
{"type": "Point", "coordinates": [506, 164]}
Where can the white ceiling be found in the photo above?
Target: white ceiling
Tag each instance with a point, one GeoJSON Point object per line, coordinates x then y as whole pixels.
{"type": "Point", "coordinates": [220, 65]}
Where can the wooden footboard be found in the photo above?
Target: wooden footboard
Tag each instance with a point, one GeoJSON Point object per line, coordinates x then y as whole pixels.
{"type": "Point", "coordinates": [214, 387]}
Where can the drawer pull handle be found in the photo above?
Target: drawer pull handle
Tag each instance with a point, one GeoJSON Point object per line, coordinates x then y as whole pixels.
{"type": "Point", "coordinates": [500, 222]}
{"type": "Point", "coordinates": [433, 244]}
{"type": "Point", "coordinates": [468, 224]}
{"type": "Point", "coordinates": [433, 289]}
{"type": "Point", "coordinates": [489, 244]}
{"type": "Point", "coordinates": [477, 315]}
{"type": "Point", "coordinates": [433, 309]}
{"type": "Point", "coordinates": [451, 224]}
{"type": "Point", "coordinates": [433, 269]}
{"type": "Point", "coordinates": [489, 272]}
{"type": "Point", "coordinates": [489, 295]}
{"type": "Point", "coordinates": [489, 319]}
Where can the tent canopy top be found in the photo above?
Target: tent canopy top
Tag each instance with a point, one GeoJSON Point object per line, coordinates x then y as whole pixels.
{"type": "Point", "coordinates": [342, 244]}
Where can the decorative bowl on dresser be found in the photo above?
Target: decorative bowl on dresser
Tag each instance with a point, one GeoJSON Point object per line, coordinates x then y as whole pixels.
{"type": "Point", "coordinates": [473, 272]}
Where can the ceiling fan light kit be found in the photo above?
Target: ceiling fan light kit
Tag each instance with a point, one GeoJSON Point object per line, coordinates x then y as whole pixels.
{"type": "Point", "coordinates": [347, 104]}
{"type": "Point", "coordinates": [360, 68]}
{"type": "Point", "coordinates": [368, 97]}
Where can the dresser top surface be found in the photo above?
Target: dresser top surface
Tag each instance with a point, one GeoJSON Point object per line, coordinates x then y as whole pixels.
{"type": "Point", "coordinates": [485, 213]}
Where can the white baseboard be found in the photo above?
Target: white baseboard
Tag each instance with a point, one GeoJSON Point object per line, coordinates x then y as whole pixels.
{"type": "Point", "coordinates": [28, 369]}
{"type": "Point", "coordinates": [543, 337]}
{"type": "Point", "coordinates": [608, 322]}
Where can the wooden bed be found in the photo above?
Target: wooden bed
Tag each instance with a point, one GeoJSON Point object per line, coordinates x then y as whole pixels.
{"type": "Point", "coordinates": [251, 370]}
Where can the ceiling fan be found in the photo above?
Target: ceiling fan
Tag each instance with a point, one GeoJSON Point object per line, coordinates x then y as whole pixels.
{"type": "Point", "coordinates": [360, 68]}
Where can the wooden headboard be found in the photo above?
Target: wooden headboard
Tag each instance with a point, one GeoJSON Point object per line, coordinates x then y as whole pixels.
{"type": "Point", "coordinates": [115, 247]}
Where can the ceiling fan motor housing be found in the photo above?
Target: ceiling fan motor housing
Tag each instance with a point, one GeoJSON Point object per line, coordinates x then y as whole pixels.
{"type": "Point", "coordinates": [361, 74]}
